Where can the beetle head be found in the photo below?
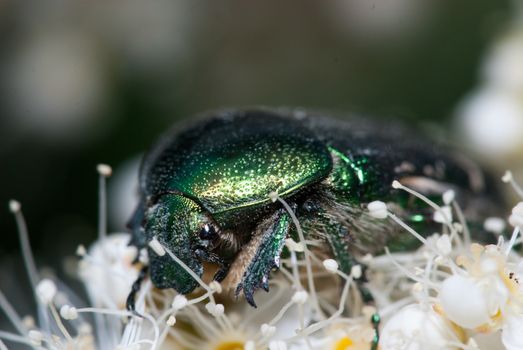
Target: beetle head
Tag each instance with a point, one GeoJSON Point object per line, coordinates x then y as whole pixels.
{"type": "Point", "coordinates": [176, 222]}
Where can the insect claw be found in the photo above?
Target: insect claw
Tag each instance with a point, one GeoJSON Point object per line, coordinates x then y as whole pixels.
{"type": "Point", "coordinates": [247, 292]}
{"type": "Point", "coordinates": [130, 302]}
{"type": "Point", "coordinates": [135, 314]}
{"type": "Point", "coordinates": [249, 297]}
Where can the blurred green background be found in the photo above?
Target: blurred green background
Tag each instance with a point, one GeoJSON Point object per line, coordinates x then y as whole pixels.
{"type": "Point", "coordinates": [86, 82]}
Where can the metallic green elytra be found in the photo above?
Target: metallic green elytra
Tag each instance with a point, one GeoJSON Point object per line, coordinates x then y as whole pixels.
{"type": "Point", "coordinates": [205, 192]}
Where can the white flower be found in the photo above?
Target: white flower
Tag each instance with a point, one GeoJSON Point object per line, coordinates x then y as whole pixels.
{"type": "Point", "coordinates": [503, 65]}
{"type": "Point", "coordinates": [491, 121]}
{"type": "Point", "coordinates": [516, 218]}
{"type": "Point", "coordinates": [107, 270]}
{"type": "Point", "coordinates": [355, 337]}
{"type": "Point", "coordinates": [511, 334]}
{"type": "Point", "coordinates": [417, 327]}
{"type": "Point", "coordinates": [494, 224]}
{"type": "Point", "coordinates": [464, 302]}
{"type": "Point", "coordinates": [483, 296]}
{"type": "Point", "coordinates": [486, 294]}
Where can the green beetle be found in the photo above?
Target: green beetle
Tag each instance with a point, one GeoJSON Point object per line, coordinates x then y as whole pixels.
{"type": "Point", "coordinates": [205, 192]}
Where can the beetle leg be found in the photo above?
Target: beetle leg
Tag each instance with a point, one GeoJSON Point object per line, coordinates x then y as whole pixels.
{"type": "Point", "coordinates": [252, 267]}
{"type": "Point", "coordinates": [339, 240]}
{"type": "Point", "coordinates": [131, 298]}
{"type": "Point", "coordinates": [135, 224]}
{"type": "Point", "coordinates": [375, 320]}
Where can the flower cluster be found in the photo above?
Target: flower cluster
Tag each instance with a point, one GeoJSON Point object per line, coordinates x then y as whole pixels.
{"type": "Point", "coordinates": [448, 294]}
{"type": "Point", "coordinates": [459, 291]}
{"type": "Point", "coordinates": [295, 314]}
{"type": "Point", "coordinates": [490, 116]}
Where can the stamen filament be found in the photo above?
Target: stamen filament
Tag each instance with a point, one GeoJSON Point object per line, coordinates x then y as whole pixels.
{"type": "Point", "coordinates": [12, 315]}
{"type": "Point", "coordinates": [310, 278]}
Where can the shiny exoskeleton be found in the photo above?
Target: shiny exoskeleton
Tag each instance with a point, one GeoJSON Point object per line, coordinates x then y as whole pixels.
{"type": "Point", "coordinates": [205, 192]}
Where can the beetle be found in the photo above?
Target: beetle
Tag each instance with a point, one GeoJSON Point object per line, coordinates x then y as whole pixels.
{"type": "Point", "coordinates": [205, 192]}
